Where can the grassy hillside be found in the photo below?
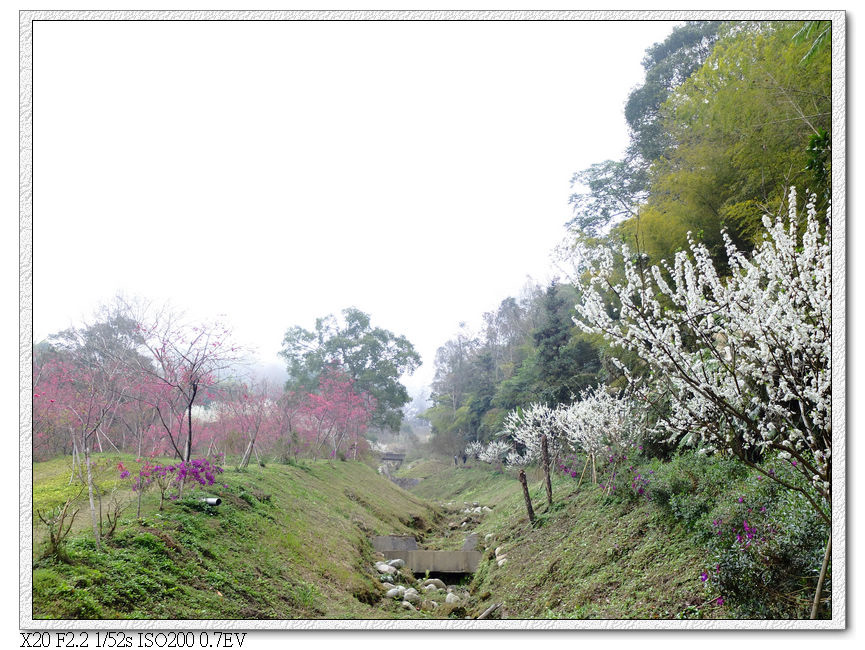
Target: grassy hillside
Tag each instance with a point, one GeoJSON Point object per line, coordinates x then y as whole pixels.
{"type": "Point", "coordinates": [287, 542]}
{"type": "Point", "coordinates": [587, 557]}
{"type": "Point", "coordinates": [293, 542]}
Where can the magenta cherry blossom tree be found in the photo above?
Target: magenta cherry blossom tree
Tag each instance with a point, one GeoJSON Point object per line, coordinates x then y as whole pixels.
{"type": "Point", "coordinates": [185, 359]}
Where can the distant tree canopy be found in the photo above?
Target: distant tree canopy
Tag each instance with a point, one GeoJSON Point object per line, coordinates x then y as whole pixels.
{"type": "Point", "coordinates": [729, 116]}
{"type": "Point", "coordinates": [617, 188]}
{"type": "Point", "coordinates": [749, 123]}
{"type": "Point", "coordinates": [374, 358]}
{"type": "Point", "coordinates": [529, 350]}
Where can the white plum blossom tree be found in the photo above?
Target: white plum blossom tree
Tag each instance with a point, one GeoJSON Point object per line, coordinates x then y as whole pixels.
{"type": "Point", "coordinates": [600, 420]}
{"type": "Point", "coordinates": [526, 426]}
{"type": "Point", "coordinates": [495, 452]}
{"type": "Point", "coordinates": [473, 449]}
{"type": "Point", "coordinates": [742, 362]}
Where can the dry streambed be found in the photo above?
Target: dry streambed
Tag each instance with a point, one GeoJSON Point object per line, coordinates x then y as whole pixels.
{"type": "Point", "coordinates": [434, 594]}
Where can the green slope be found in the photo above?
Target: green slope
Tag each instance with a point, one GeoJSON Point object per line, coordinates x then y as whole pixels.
{"type": "Point", "coordinates": [287, 542]}
{"type": "Point", "coordinates": [587, 557]}
{"type": "Point", "coordinates": [293, 542]}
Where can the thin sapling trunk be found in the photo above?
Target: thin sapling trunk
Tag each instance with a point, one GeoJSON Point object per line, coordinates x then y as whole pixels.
{"type": "Point", "coordinates": [529, 509]}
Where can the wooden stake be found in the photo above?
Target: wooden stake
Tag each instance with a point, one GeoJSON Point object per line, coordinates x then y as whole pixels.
{"type": "Point", "coordinates": [545, 456]}
{"type": "Point", "coordinates": [585, 465]}
{"type": "Point", "coordinates": [608, 488]}
{"type": "Point", "coordinates": [826, 557]}
{"type": "Point", "coordinates": [522, 478]}
{"type": "Point", "coordinates": [489, 610]}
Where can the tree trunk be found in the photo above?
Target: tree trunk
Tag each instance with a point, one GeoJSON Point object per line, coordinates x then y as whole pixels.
{"type": "Point", "coordinates": [522, 478]}
{"type": "Point", "coordinates": [246, 454]}
{"type": "Point", "coordinates": [187, 452]}
{"type": "Point", "coordinates": [99, 499]}
{"type": "Point", "coordinates": [187, 447]}
{"type": "Point", "coordinates": [545, 456]}
{"type": "Point", "coordinates": [816, 606]}
{"type": "Point", "coordinates": [76, 461]}
{"type": "Point", "coordinates": [92, 500]}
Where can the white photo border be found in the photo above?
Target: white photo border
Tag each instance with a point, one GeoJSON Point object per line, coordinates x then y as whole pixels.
{"type": "Point", "coordinates": [839, 340]}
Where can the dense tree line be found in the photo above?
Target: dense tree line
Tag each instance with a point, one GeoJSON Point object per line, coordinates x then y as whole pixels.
{"type": "Point", "coordinates": [729, 117]}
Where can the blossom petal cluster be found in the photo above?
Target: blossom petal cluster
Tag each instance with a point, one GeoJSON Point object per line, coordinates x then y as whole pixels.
{"type": "Point", "coordinates": [741, 360]}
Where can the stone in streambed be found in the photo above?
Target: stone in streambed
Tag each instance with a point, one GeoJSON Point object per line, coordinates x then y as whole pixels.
{"type": "Point", "coordinates": [387, 569]}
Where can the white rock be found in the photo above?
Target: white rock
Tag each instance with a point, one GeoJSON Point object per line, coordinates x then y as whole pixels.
{"type": "Point", "coordinates": [498, 550]}
{"type": "Point", "coordinates": [398, 563]}
{"type": "Point", "coordinates": [502, 561]}
{"type": "Point", "coordinates": [435, 582]}
{"type": "Point", "coordinates": [381, 567]}
{"type": "Point", "coordinates": [407, 605]}
{"type": "Point", "coordinates": [452, 598]}
{"type": "Point", "coordinates": [411, 595]}
{"type": "Point", "coordinates": [393, 593]}
{"type": "Point", "coordinates": [488, 537]}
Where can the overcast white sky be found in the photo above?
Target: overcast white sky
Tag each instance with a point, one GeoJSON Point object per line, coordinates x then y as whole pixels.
{"type": "Point", "coordinates": [125, 181]}
{"type": "Point", "coordinates": [276, 172]}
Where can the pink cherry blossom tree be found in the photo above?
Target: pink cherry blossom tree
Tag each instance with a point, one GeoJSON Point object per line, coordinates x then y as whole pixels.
{"type": "Point", "coordinates": [79, 398]}
{"type": "Point", "coordinates": [337, 413]}
{"type": "Point", "coordinates": [183, 360]}
{"type": "Point", "coordinates": [248, 410]}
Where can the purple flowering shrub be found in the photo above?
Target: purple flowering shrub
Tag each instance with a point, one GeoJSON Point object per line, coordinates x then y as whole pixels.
{"type": "Point", "coordinates": [621, 473]}
{"type": "Point", "coordinates": [198, 473]}
{"type": "Point", "coordinates": [689, 486]}
{"type": "Point", "coordinates": [765, 549]}
{"type": "Point", "coordinates": [763, 543]}
{"type": "Point", "coordinates": [572, 465]}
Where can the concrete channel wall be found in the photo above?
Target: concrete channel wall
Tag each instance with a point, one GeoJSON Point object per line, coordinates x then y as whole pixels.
{"type": "Point", "coordinates": [420, 561]}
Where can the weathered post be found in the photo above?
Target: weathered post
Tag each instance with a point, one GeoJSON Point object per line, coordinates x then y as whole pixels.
{"type": "Point", "coordinates": [489, 610]}
{"type": "Point", "coordinates": [545, 457]}
{"type": "Point", "coordinates": [522, 478]}
{"type": "Point", "coordinates": [815, 608]}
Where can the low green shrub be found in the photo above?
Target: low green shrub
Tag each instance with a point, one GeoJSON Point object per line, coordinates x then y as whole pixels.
{"type": "Point", "coordinates": [766, 548]}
